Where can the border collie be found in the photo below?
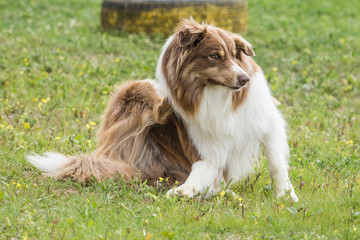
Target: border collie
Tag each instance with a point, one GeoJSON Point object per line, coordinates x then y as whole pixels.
{"type": "Point", "coordinates": [201, 121]}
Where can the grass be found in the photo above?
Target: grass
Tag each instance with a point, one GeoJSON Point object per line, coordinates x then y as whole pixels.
{"type": "Point", "coordinates": [57, 68]}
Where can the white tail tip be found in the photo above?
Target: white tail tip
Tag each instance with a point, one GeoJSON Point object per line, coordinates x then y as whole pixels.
{"type": "Point", "coordinates": [50, 163]}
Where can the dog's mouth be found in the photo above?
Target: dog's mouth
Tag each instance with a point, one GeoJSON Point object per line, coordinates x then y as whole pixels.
{"type": "Point", "coordinates": [216, 83]}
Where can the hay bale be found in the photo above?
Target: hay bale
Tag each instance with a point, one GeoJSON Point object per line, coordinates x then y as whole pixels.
{"type": "Point", "coordinates": [161, 16]}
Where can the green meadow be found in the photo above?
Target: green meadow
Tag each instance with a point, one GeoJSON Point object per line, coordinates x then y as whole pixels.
{"type": "Point", "coordinates": [57, 69]}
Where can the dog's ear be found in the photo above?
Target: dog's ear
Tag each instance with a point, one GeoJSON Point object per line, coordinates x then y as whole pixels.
{"type": "Point", "coordinates": [190, 33]}
{"type": "Point", "coordinates": [242, 46]}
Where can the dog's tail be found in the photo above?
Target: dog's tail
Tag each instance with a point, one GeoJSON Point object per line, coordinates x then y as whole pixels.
{"type": "Point", "coordinates": [80, 168]}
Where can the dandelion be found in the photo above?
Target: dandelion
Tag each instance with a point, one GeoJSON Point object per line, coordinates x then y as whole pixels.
{"type": "Point", "coordinates": [26, 125]}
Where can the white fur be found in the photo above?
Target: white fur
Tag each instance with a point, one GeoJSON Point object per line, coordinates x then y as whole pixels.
{"type": "Point", "coordinates": [230, 141]}
{"type": "Point", "coordinates": [237, 69]}
{"type": "Point", "coordinates": [50, 163]}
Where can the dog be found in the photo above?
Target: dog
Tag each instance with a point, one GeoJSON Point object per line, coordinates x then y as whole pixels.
{"type": "Point", "coordinates": [200, 122]}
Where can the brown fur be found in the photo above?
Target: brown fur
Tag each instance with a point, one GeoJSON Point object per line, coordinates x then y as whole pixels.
{"type": "Point", "coordinates": [188, 64]}
{"type": "Point", "coordinates": [140, 135]}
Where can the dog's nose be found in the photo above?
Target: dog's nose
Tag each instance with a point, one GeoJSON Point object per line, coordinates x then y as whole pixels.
{"type": "Point", "coordinates": [243, 79]}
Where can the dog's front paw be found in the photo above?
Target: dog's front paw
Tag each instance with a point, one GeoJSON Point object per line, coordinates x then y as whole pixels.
{"type": "Point", "coordinates": [184, 190]}
{"type": "Point", "coordinates": [287, 189]}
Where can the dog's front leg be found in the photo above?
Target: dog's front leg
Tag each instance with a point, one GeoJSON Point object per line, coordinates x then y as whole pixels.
{"type": "Point", "coordinates": [203, 175]}
{"type": "Point", "coordinates": [277, 151]}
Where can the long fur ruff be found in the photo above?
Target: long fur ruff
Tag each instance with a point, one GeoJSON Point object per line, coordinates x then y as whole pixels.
{"type": "Point", "coordinates": [201, 121]}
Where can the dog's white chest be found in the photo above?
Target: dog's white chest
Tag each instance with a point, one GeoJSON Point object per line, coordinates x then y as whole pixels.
{"type": "Point", "coordinates": [227, 137]}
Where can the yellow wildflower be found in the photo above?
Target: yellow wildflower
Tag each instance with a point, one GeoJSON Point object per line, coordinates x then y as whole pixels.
{"type": "Point", "coordinates": [148, 236]}
{"type": "Point", "coordinates": [45, 100]}
{"type": "Point", "coordinates": [92, 123]}
{"type": "Point", "coordinates": [222, 193]}
{"type": "Point", "coordinates": [349, 142]}
{"type": "Point", "coordinates": [161, 179]}
{"type": "Point", "coordinates": [26, 125]}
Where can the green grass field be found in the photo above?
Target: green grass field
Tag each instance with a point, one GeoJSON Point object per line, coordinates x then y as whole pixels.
{"type": "Point", "coordinates": [57, 68]}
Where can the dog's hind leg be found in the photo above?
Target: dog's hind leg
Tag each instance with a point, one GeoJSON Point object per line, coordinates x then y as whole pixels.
{"type": "Point", "coordinates": [133, 108]}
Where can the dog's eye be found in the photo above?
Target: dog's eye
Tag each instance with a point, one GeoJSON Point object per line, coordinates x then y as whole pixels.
{"type": "Point", "coordinates": [215, 56]}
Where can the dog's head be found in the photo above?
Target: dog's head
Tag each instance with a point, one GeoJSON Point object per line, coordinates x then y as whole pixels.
{"type": "Point", "coordinates": [199, 56]}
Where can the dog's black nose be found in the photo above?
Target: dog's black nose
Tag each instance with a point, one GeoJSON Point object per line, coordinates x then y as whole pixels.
{"type": "Point", "coordinates": [243, 79]}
